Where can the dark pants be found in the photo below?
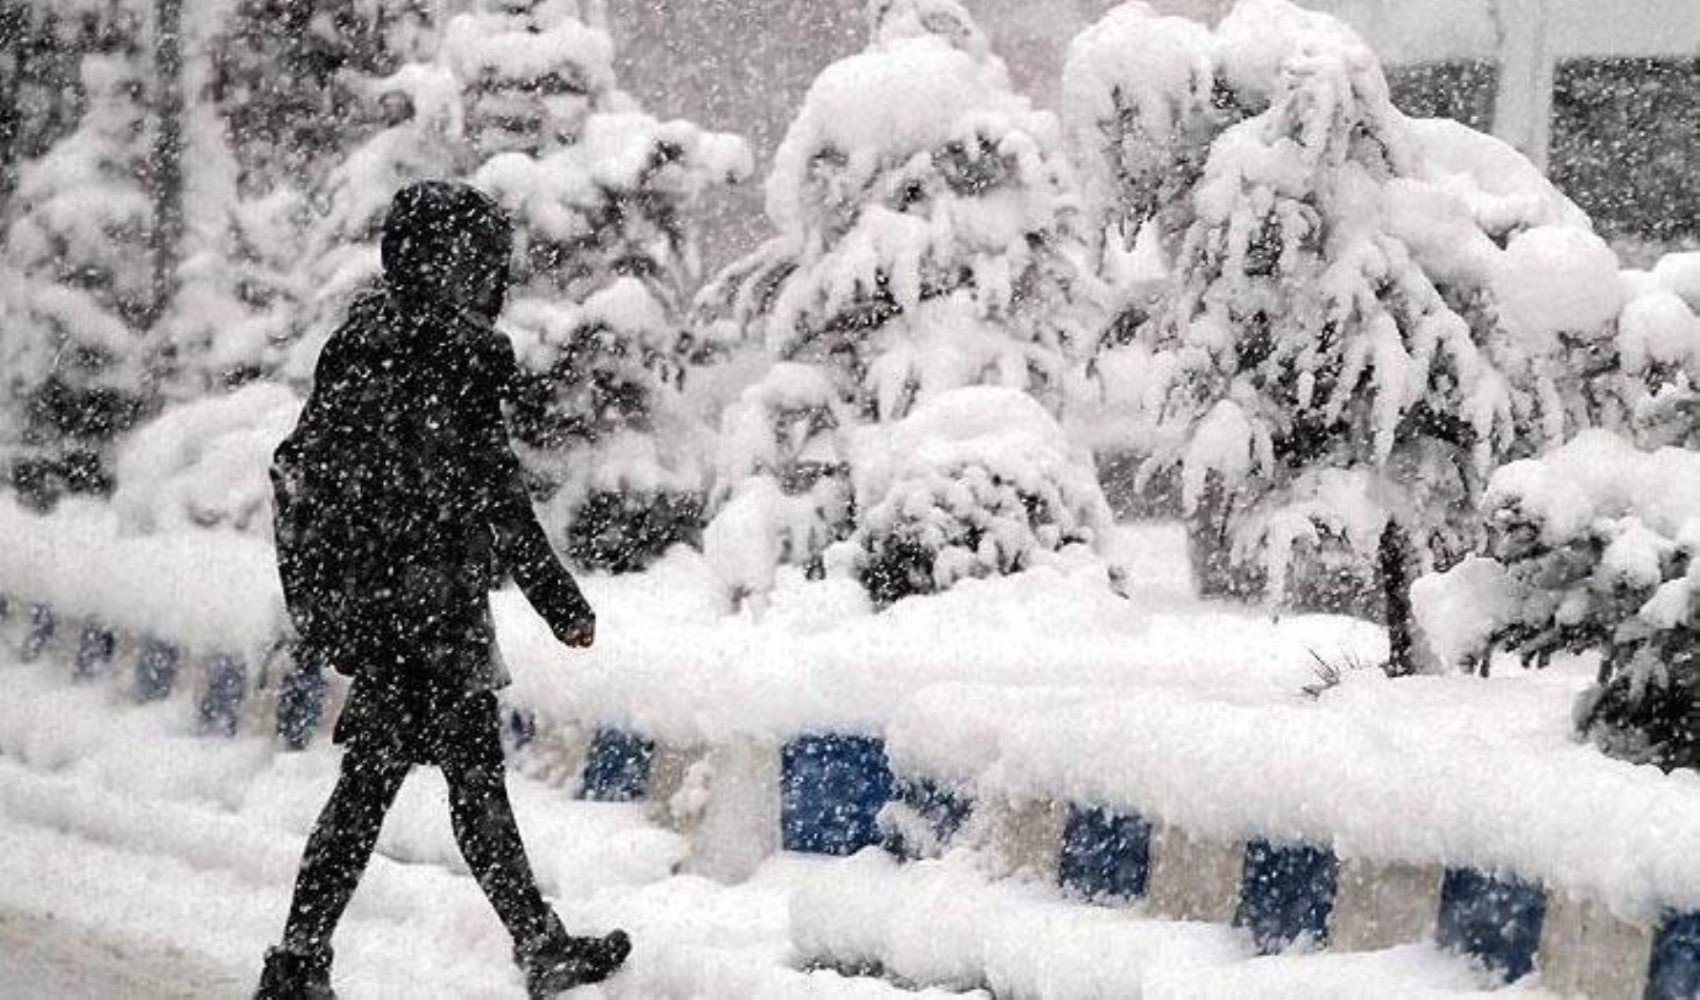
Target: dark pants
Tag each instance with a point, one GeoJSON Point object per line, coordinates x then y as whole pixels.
{"type": "Point", "coordinates": [347, 831]}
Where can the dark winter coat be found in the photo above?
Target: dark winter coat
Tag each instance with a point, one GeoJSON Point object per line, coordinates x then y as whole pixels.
{"type": "Point", "coordinates": [406, 407]}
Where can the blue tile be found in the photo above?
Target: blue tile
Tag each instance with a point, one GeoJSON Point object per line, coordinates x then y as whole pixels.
{"type": "Point", "coordinates": [40, 633]}
{"type": "Point", "coordinates": [831, 790]}
{"type": "Point", "coordinates": [617, 767]}
{"type": "Point", "coordinates": [300, 702]}
{"type": "Point", "coordinates": [519, 728]}
{"type": "Point", "coordinates": [942, 808]}
{"type": "Point", "coordinates": [1286, 894]}
{"type": "Point", "coordinates": [1105, 855]}
{"type": "Point", "coordinates": [94, 650]}
{"type": "Point", "coordinates": [221, 703]}
{"type": "Point", "coordinates": [1495, 919]}
{"type": "Point", "coordinates": [1674, 970]}
{"type": "Point", "coordinates": [156, 669]}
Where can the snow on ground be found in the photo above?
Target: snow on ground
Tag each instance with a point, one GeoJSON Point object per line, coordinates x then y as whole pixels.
{"type": "Point", "coordinates": [138, 861]}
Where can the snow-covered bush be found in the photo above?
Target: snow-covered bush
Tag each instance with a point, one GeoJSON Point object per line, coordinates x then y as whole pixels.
{"type": "Point", "coordinates": [926, 241]}
{"type": "Point", "coordinates": [601, 194]}
{"type": "Point", "coordinates": [1365, 315]}
{"type": "Point", "coordinates": [1591, 548]}
{"type": "Point", "coordinates": [976, 482]}
{"type": "Point", "coordinates": [77, 289]}
{"type": "Point", "coordinates": [204, 464]}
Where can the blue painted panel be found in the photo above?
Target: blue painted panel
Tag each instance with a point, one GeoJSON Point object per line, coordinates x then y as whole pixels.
{"type": "Point", "coordinates": [221, 704]}
{"type": "Point", "coordinates": [617, 767]}
{"type": "Point", "coordinates": [1674, 971]}
{"type": "Point", "coordinates": [94, 650]}
{"type": "Point", "coordinates": [156, 669]}
{"type": "Point", "coordinates": [1105, 855]}
{"type": "Point", "coordinates": [40, 633]}
{"type": "Point", "coordinates": [519, 728]}
{"type": "Point", "coordinates": [300, 703]}
{"type": "Point", "coordinates": [831, 790]}
{"type": "Point", "coordinates": [943, 808]}
{"type": "Point", "coordinates": [1495, 919]}
{"type": "Point", "coordinates": [1286, 894]}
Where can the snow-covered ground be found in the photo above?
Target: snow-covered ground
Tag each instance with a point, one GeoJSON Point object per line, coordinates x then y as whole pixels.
{"type": "Point", "coordinates": [139, 861]}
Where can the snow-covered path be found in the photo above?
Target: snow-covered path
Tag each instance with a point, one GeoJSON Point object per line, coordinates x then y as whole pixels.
{"type": "Point", "coordinates": [140, 861]}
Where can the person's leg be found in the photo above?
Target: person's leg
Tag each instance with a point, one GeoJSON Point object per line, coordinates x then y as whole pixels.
{"type": "Point", "coordinates": [484, 826]}
{"type": "Point", "coordinates": [340, 847]}
{"type": "Point", "coordinates": [489, 839]}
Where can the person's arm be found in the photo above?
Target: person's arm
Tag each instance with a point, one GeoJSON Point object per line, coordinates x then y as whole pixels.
{"type": "Point", "coordinates": [520, 541]}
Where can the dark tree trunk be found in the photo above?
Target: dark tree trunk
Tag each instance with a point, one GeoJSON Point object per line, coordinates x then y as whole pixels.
{"type": "Point", "coordinates": [1396, 565]}
{"type": "Point", "coordinates": [1210, 545]}
{"type": "Point", "coordinates": [165, 164]}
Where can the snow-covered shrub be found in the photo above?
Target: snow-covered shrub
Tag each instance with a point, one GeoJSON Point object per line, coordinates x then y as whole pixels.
{"type": "Point", "coordinates": [926, 241]}
{"type": "Point", "coordinates": [1366, 314]}
{"type": "Point", "coordinates": [601, 194]}
{"type": "Point", "coordinates": [1591, 548]}
{"type": "Point", "coordinates": [204, 464]}
{"type": "Point", "coordinates": [976, 482]}
{"type": "Point", "coordinates": [77, 289]}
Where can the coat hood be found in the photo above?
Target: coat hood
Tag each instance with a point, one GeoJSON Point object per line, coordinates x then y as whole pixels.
{"type": "Point", "coordinates": [450, 242]}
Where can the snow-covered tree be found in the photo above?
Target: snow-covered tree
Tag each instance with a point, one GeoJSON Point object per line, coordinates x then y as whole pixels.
{"type": "Point", "coordinates": [285, 76]}
{"type": "Point", "coordinates": [285, 101]}
{"type": "Point", "coordinates": [1367, 313]}
{"type": "Point", "coordinates": [1141, 105]}
{"type": "Point", "coordinates": [926, 241]}
{"type": "Point", "coordinates": [600, 193]}
{"type": "Point", "coordinates": [76, 287]}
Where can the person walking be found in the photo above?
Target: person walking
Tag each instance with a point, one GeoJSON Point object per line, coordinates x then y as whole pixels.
{"type": "Point", "coordinates": [399, 504]}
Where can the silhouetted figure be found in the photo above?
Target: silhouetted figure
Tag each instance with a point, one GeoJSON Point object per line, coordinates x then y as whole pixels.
{"type": "Point", "coordinates": [399, 504]}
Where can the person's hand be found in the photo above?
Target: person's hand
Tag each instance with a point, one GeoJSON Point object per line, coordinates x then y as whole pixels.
{"type": "Point", "coordinates": [582, 637]}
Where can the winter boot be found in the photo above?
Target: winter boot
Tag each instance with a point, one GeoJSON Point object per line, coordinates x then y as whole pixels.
{"type": "Point", "coordinates": [556, 961]}
{"type": "Point", "coordinates": [296, 975]}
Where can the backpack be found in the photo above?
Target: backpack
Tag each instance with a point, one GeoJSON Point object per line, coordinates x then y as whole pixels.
{"type": "Point", "coordinates": [311, 526]}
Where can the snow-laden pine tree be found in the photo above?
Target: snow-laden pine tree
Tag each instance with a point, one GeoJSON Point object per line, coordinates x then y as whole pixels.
{"type": "Point", "coordinates": [284, 99]}
{"type": "Point", "coordinates": [1141, 105]}
{"type": "Point", "coordinates": [41, 94]}
{"type": "Point", "coordinates": [1366, 314]}
{"type": "Point", "coordinates": [926, 242]}
{"type": "Point", "coordinates": [77, 287]}
{"type": "Point", "coordinates": [601, 195]}
{"type": "Point", "coordinates": [286, 75]}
